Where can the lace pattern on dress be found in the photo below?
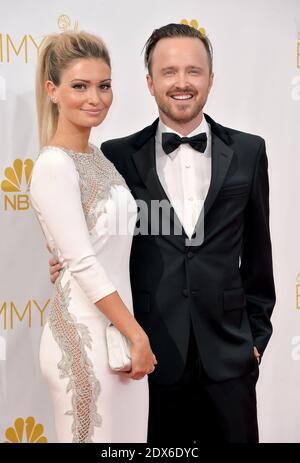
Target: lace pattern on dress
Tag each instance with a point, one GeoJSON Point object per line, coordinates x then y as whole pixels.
{"type": "Point", "coordinates": [72, 338]}
{"type": "Point", "coordinates": [96, 177]}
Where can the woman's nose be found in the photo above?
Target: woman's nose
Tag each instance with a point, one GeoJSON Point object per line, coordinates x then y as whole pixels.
{"type": "Point", "coordinates": [93, 96]}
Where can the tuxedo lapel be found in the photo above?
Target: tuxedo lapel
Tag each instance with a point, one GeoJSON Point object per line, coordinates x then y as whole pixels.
{"type": "Point", "coordinates": [144, 160]}
{"type": "Point", "coordinates": [221, 159]}
{"type": "Point", "coordinates": [145, 163]}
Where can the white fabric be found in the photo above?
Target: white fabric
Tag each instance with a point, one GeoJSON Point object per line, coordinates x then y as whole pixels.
{"type": "Point", "coordinates": [245, 96]}
{"type": "Point", "coordinates": [56, 197]}
{"type": "Point", "coordinates": [185, 175]}
{"type": "Point", "coordinates": [97, 264]}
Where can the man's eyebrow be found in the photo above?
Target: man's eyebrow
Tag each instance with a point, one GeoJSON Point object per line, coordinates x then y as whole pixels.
{"type": "Point", "coordinates": [168, 68]}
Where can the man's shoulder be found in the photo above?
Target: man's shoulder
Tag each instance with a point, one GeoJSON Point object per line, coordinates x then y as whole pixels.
{"type": "Point", "coordinates": [128, 140]}
{"type": "Point", "coordinates": [233, 136]}
{"type": "Point", "coordinates": [239, 135]}
{"type": "Point", "coordinates": [129, 143]}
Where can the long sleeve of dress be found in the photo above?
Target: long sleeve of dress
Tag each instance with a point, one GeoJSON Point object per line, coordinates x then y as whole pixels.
{"type": "Point", "coordinates": [56, 197]}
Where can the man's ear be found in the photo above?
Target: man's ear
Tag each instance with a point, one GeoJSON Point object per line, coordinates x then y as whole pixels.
{"type": "Point", "coordinates": [211, 81]}
{"type": "Point", "coordinates": [150, 84]}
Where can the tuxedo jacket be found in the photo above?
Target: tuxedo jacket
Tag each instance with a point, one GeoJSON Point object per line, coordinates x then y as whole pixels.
{"type": "Point", "coordinates": [221, 287]}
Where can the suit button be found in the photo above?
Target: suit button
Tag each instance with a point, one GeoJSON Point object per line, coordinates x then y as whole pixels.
{"type": "Point", "coordinates": [190, 254]}
{"type": "Point", "coordinates": [185, 292]}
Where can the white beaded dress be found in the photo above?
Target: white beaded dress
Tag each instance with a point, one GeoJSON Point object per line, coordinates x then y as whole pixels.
{"type": "Point", "coordinates": [88, 216]}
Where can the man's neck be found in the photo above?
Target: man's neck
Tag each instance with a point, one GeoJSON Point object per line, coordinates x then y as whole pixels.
{"type": "Point", "coordinates": [184, 129]}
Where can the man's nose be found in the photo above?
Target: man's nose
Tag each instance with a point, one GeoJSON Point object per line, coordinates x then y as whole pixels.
{"type": "Point", "coordinates": [182, 80]}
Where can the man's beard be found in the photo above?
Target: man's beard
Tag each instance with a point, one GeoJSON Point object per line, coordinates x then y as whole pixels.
{"type": "Point", "coordinates": [181, 115]}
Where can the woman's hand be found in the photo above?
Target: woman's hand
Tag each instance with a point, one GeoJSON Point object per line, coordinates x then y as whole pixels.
{"type": "Point", "coordinates": [256, 354]}
{"type": "Point", "coordinates": [54, 269]}
{"type": "Point", "coordinates": [143, 360]}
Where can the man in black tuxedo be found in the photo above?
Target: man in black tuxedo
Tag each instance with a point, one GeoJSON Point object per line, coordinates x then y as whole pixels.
{"type": "Point", "coordinates": [204, 292]}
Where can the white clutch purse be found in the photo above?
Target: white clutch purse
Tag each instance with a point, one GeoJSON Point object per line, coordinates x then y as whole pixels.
{"type": "Point", "coordinates": [118, 349]}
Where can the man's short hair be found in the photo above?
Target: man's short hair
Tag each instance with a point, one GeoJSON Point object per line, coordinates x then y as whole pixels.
{"type": "Point", "coordinates": [176, 30]}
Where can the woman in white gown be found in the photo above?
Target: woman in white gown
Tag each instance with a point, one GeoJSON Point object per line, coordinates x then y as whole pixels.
{"type": "Point", "coordinates": [88, 216]}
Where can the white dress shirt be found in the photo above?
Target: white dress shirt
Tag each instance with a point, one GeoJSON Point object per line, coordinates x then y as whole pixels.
{"type": "Point", "coordinates": [185, 175]}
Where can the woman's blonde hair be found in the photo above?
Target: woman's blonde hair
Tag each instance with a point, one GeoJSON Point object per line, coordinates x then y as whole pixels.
{"type": "Point", "coordinates": [56, 54]}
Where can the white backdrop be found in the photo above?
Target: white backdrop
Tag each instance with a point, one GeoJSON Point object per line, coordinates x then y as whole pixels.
{"type": "Point", "coordinates": [257, 89]}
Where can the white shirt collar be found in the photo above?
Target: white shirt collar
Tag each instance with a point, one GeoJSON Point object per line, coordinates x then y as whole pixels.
{"type": "Point", "coordinates": [202, 127]}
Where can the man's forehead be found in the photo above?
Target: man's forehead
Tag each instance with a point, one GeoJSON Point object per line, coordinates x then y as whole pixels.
{"type": "Point", "coordinates": [177, 53]}
{"type": "Point", "coordinates": [178, 40]}
{"type": "Point", "coordinates": [178, 45]}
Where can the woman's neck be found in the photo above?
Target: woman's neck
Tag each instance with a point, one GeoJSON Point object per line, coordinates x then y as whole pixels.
{"type": "Point", "coordinates": [75, 140]}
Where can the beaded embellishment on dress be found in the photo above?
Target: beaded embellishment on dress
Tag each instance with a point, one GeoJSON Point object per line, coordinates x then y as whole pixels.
{"type": "Point", "coordinates": [96, 177]}
{"type": "Point", "coordinates": [73, 338]}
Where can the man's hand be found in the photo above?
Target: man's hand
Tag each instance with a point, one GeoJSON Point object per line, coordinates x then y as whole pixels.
{"type": "Point", "coordinates": [256, 354]}
{"type": "Point", "coordinates": [54, 269]}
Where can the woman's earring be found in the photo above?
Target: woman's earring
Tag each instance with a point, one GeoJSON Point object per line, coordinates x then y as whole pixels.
{"type": "Point", "coordinates": [53, 99]}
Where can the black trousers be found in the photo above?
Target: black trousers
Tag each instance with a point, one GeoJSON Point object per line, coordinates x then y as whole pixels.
{"type": "Point", "coordinates": [196, 409]}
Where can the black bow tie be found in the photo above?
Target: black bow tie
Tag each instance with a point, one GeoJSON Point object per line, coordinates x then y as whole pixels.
{"type": "Point", "coordinates": [171, 141]}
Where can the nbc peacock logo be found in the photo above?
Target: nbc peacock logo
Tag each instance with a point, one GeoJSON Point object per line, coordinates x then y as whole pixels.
{"type": "Point", "coordinates": [194, 23]}
{"type": "Point", "coordinates": [16, 185]}
{"type": "Point", "coordinates": [25, 431]}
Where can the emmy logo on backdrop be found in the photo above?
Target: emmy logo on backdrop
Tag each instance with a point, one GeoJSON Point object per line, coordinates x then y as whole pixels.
{"type": "Point", "coordinates": [64, 23]}
{"type": "Point", "coordinates": [12, 314]}
{"type": "Point", "coordinates": [27, 46]}
{"type": "Point", "coordinates": [11, 48]}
